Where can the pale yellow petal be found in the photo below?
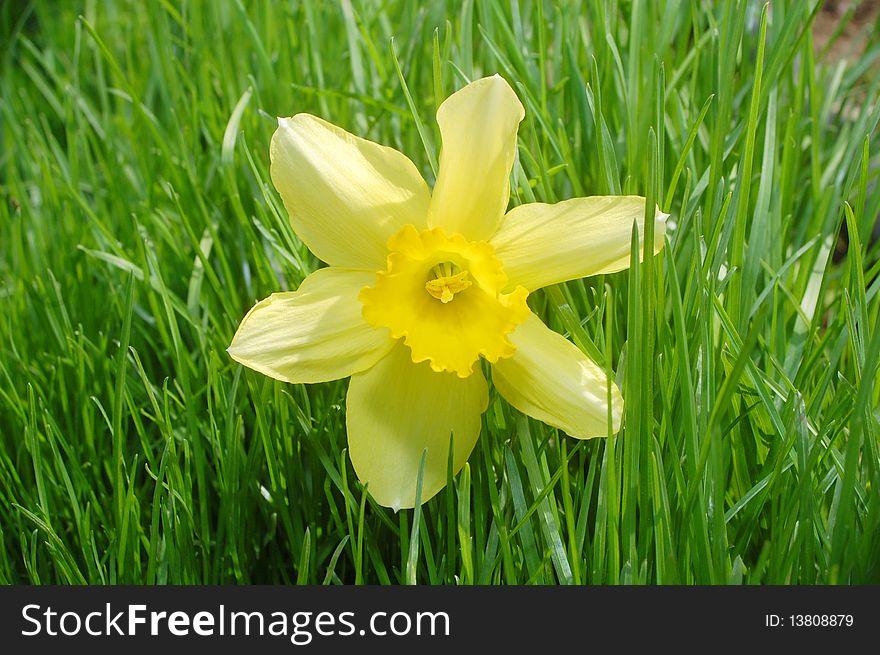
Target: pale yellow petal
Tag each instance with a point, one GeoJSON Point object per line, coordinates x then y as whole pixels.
{"type": "Point", "coordinates": [314, 334]}
{"type": "Point", "coordinates": [345, 195]}
{"type": "Point", "coordinates": [478, 126]}
{"type": "Point", "coordinates": [540, 244]}
{"type": "Point", "coordinates": [549, 379]}
{"type": "Point", "coordinates": [396, 410]}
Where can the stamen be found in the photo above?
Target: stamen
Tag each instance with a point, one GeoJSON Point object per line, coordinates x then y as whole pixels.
{"type": "Point", "coordinates": [447, 282]}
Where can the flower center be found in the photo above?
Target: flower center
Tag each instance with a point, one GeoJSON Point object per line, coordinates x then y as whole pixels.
{"type": "Point", "coordinates": [446, 280]}
{"type": "Point", "coordinates": [473, 318]}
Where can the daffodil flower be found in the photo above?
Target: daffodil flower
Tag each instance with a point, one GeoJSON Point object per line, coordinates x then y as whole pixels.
{"type": "Point", "coordinates": [422, 284]}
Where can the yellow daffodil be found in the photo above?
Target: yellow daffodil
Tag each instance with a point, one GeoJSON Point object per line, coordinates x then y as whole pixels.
{"type": "Point", "coordinates": [421, 284]}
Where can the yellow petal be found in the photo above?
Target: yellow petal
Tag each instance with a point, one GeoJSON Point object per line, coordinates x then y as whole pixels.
{"type": "Point", "coordinates": [540, 244]}
{"type": "Point", "coordinates": [478, 126]}
{"type": "Point", "coordinates": [345, 195]}
{"type": "Point", "coordinates": [395, 411]}
{"type": "Point", "coordinates": [314, 334]}
{"type": "Point", "coordinates": [549, 379]}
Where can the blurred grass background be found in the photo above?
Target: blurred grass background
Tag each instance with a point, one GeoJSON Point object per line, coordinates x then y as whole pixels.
{"type": "Point", "coordinates": [138, 225]}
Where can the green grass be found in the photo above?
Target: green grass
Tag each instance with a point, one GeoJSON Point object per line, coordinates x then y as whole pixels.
{"type": "Point", "coordinates": [138, 224]}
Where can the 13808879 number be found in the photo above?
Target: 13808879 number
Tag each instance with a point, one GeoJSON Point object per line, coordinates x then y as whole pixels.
{"type": "Point", "coordinates": [821, 620]}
